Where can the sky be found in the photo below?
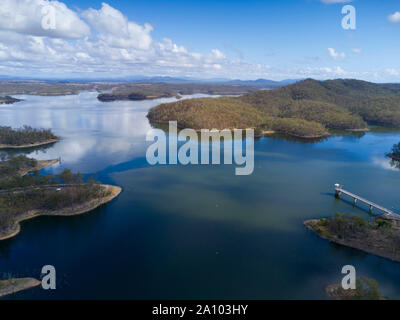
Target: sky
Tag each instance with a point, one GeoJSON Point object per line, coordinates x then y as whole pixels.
{"type": "Point", "coordinates": [276, 39]}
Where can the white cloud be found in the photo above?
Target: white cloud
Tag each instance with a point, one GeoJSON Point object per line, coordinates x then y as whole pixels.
{"type": "Point", "coordinates": [113, 46]}
{"type": "Point", "coordinates": [26, 16]}
{"type": "Point", "coordinates": [384, 163]}
{"type": "Point", "coordinates": [116, 30]}
{"type": "Point", "coordinates": [324, 72]}
{"type": "Point", "coordinates": [339, 71]}
{"type": "Point", "coordinates": [393, 72]}
{"type": "Point", "coordinates": [335, 1]}
{"type": "Point", "coordinates": [356, 50]}
{"type": "Point", "coordinates": [336, 55]}
{"type": "Point", "coordinates": [395, 17]}
{"type": "Point", "coordinates": [218, 54]}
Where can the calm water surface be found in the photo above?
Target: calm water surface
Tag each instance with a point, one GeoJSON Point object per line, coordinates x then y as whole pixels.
{"type": "Point", "coordinates": [195, 231]}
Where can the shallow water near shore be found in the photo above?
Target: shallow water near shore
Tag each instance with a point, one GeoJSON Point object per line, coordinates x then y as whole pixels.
{"type": "Point", "coordinates": [191, 232]}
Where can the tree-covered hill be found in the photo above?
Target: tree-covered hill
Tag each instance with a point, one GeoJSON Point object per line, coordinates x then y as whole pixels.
{"type": "Point", "coordinates": [203, 113]}
{"type": "Point", "coordinates": [310, 106]}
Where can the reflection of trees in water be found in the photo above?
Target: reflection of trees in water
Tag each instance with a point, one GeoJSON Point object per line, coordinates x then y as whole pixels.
{"type": "Point", "coordinates": [5, 249]}
{"type": "Point", "coordinates": [395, 155]}
{"type": "Point", "coordinates": [285, 137]}
{"type": "Point", "coordinates": [348, 133]}
{"type": "Point", "coordinates": [396, 151]}
{"type": "Point", "coordinates": [25, 151]}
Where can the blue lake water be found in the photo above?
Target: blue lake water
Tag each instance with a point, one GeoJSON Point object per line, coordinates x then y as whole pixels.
{"type": "Point", "coordinates": [195, 231]}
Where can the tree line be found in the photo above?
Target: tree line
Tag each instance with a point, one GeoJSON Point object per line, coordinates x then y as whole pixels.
{"type": "Point", "coordinates": [21, 193]}
{"type": "Point", "coordinates": [308, 108]}
{"type": "Point", "coordinates": [24, 136]}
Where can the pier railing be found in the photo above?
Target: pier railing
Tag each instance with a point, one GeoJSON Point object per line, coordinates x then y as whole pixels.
{"type": "Point", "coordinates": [385, 212]}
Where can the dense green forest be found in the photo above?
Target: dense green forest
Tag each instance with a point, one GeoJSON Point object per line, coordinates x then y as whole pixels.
{"type": "Point", "coordinates": [307, 108]}
{"type": "Point", "coordinates": [210, 113]}
{"type": "Point", "coordinates": [295, 127]}
{"type": "Point", "coordinates": [24, 136]}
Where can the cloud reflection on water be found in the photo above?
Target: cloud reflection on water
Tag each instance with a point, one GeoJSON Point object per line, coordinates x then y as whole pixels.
{"type": "Point", "coordinates": [95, 134]}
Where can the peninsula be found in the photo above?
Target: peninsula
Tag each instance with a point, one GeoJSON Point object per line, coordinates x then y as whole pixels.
{"type": "Point", "coordinates": [24, 196]}
{"type": "Point", "coordinates": [25, 137]}
{"type": "Point", "coordinates": [8, 100]}
{"type": "Point", "coordinates": [307, 109]}
{"type": "Point", "coordinates": [11, 286]}
{"type": "Point", "coordinates": [23, 165]}
{"type": "Point", "coordinates": [379, 237]}
{"type": "Point", "coordinates": [53, 200]}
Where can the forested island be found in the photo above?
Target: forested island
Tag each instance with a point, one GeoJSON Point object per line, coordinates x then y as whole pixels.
{"type": "Point", "coordinates": [8, 100]}
{"type": "Point", "coordinates": [25, 137]}
{"type": "Point", "coordinates": [147, 91]}
{"type": "Point", "coordinates": [24, 196]}
{"type": "Point", "coordinates": [380, 237]}
{"type": "Point", "coordinates": [366, 289]}
{"type": "Point", "coordinates": [306, 109]}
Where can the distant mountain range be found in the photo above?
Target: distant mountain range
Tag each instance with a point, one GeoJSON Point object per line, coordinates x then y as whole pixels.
{"type": "Point", "coordinates": [262, 82]}
{"type": "Point", "coordinates": [167, 79]}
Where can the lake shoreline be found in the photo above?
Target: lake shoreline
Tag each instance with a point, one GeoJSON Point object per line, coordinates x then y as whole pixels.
{"type": "Point", "coordinates": [359, 130]}
{"type": "Point", "coordinates": [11, 286]}
{"type": "Point", "coordinates": [9, 100]}
{"type": "Point", "coordinates": [335, 292]}
{"type": "Point", "coordinates": [263, 133]}
{"type": "Point", "coordinates": [108, 97]}
{"type": "Point", "coordinates": [66, 212]}
{"type": "Point", "coordinates": [25, 146]}
{"type": "Point", "coordinates": [41, 164]}
{"type": "Point", "coordinates": [359, 244]}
